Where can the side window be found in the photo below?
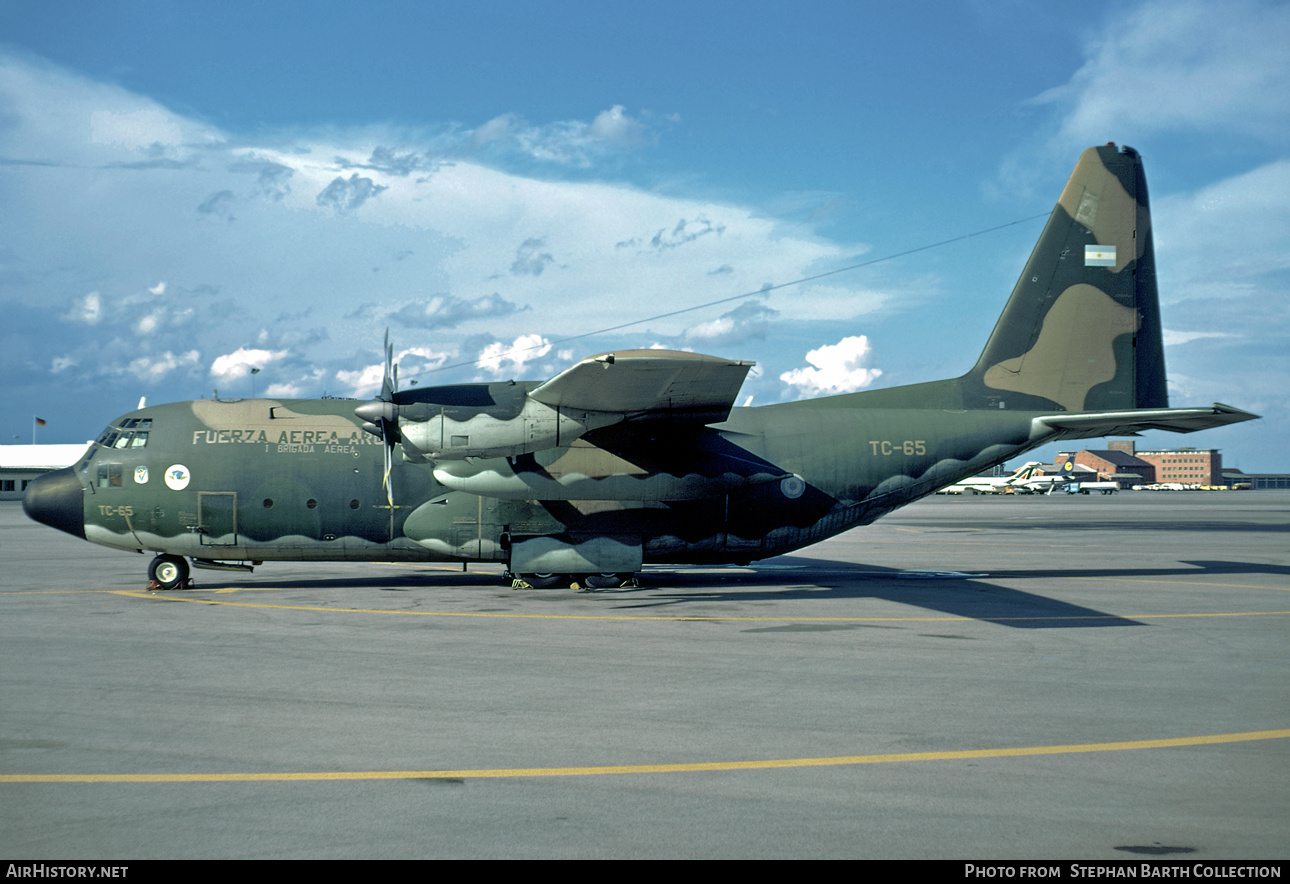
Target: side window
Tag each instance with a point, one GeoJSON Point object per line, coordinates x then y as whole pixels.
{"type": "Point", "coordinates": [123, 441]}
{"type": "Point", "coordinates": [109, 475]}
{"type": "Point", "coordinates": [140, 439]}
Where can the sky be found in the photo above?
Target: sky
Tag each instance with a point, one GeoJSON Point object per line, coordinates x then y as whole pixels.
{"type": "Point", "coordinates": [192, 190]}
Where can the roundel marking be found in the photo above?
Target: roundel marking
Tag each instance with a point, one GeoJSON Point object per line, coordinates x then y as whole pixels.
{"type": "Point", "coordinates": [792, 487]}
{"type": "Point", "coordinates": [177, 477]}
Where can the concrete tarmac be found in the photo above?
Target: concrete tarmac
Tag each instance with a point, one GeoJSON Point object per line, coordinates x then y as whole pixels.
{"type": "Point", "coordinates": [974, 678]}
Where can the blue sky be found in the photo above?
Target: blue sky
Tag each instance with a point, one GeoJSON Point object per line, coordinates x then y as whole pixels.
{"type": "Point", "coordinates": [191, 189]}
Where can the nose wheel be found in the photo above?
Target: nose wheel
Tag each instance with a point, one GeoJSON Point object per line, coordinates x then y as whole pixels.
{"type": "Point", "coordinates": [168, 572]}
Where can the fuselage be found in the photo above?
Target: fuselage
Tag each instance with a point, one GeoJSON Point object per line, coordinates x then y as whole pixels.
{"type": "Point", "coordinates": [264, 480]}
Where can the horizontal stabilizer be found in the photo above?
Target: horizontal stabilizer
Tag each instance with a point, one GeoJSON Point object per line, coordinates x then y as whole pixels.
{"type": "Point", "coordinates": [1130, 423]}
{"type": "Point", "coordinates": [638, 382]}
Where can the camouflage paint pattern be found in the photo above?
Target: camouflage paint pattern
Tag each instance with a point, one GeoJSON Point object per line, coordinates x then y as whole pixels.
{"type": "Point", "coordinates": [639, 457]}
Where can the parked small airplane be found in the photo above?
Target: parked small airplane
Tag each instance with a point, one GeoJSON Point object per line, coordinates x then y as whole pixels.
{"type": "Point", "coordinates": [1021, 481]}
{"type": "Point", "coordinates": [1044, 484]}
{"type": "Point", "coordinates": [639, 456]}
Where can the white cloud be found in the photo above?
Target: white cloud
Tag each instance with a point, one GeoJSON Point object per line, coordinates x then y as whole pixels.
{"type": "Point", "coordinates": [366, 381]}
{"type": "Point", "coordinates": [1225, 239]}
{"type": "Point", "coordinates": [417, 360]}
{"type": "Point", "coordinates": [67, 119]}
{"type": "Point", "coordinates": [564, 142]}
{"type": "Point", "coordinates": [1174, 338]}
{"type": "Point", "coordinates": [496, 357]}
{"type": "Point", "coordinates": [88, 309]}
{"type": "Point", "coordinates": [834, 368]}
{"type": "Point", "coordinates": [285, 391]}
{"type": "Point", "coordinates": [148, 324]}
{"type": "Point", "coordinates": [714, 328]}
{"type": "Point", "coordinates": [344, 195]}
{"type": "Point", "coordinates": [136, 129]}
{"type": "Point", "coordinates": [1182, 66]}
{"type": "Point", "coordinates": [152, 369]}
{"type": "Point", "coordinates": [238, 364]}
{"type": "Point", "coordinates": [574, 142]}
{"type": "Point", "coordinates": [750, 319]}
{"type": "Point", "coordinates": [615, 125]}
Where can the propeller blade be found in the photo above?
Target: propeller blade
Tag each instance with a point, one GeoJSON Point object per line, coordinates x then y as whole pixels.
{"type": "Point", "coordinates": [381, 418]}
{"type": "Point", "coordinates": [387, 382]}
{"type": "Point", "coordinates": [385, 481]}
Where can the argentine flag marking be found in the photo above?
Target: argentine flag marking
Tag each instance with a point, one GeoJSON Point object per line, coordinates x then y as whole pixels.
{"type": "Point", "coordinates": [1099, 256]}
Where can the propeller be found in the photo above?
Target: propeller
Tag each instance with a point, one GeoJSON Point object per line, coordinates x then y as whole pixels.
{"type": "Point", "coordinates": [381, 416]}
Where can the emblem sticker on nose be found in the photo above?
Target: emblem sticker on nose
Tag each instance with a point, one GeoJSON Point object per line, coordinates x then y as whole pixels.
{"type": "Point", "coordinates": [177, 477]}
{"type": "Point", "coordinates": [141, 475]}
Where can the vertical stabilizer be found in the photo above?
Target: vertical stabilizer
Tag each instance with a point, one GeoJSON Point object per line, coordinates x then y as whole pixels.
{"type": "Point", "coordinates": [1081, 331]}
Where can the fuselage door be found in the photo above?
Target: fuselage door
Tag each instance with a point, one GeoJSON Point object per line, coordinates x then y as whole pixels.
{"type": "Point", "coordinates": [217, 518]}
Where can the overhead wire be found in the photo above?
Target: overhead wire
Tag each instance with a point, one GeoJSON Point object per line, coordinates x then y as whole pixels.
{"type": "Point", "coordinates": [761, 291]}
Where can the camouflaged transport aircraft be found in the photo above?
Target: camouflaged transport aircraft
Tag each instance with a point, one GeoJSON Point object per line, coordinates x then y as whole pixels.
{"type": "Point", "coordinates": [638, 456]}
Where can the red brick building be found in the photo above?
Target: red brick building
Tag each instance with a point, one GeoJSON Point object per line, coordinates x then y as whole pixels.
{"type": "Point", "coordinates": [1112, 465]}
{"type": "Point", "coordinates": [1189, 466]}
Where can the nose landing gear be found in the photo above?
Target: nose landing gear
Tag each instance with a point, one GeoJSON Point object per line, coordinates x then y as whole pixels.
{"type": "Point", "coordinates": [168, 572]}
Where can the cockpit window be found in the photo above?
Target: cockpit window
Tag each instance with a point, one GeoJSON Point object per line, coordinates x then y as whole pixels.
{"type": "Point", "coordinates": [129, 433]}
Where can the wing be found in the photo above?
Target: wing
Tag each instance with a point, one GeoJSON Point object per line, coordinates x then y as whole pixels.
{"type": "Point", "coordinates": [1130, 423]}
{"type": "Point", "coordinates": [640, 383]}
{"type": "Point", "coordinates": [632, 385]}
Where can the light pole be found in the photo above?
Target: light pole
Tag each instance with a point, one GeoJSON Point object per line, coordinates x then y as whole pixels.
{"type": "Point", "coordinates": [254, 372]}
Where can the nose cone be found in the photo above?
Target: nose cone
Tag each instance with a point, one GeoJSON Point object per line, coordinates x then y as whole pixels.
{"type": "Point", "coordinates": [58, 500]}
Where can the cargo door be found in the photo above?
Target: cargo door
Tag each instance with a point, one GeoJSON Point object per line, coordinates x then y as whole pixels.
{"type": "Point", "coordinates": [217, 518]}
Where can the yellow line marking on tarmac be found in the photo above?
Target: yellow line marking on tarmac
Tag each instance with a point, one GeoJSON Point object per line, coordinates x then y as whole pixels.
{"type": "Point", "coordinates": [1186, 582]}
{"type": "Point", "coordinates": [767, 764]}
{"type": "Point", "coordinates": [685, 617]}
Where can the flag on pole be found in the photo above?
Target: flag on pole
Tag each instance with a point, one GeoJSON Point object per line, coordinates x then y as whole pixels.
{"type": "Point", "coordinates": [40, 422]}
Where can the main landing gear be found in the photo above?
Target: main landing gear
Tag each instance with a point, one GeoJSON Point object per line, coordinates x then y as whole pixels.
{"type": "Point", "coordinates": [607, 580]}
{"type": "Point", "coordinates": [168, 572]}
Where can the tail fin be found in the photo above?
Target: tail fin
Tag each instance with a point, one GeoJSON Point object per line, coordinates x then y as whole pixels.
{"type": "Point", "coordinates": [1081, 331]}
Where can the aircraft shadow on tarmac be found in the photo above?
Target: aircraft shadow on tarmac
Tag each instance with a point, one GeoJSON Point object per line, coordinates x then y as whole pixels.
{"type": "Point", "coordinates": [952, 593]}
{"type": "Point", "coordinates": [959, 594]}
{"type": "Point", "coordinates": [1118, 525]}
{"type": "Point", "coordinates": [956, 594]}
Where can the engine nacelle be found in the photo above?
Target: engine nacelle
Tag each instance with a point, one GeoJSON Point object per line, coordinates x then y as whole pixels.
{"type": "Point", "coordinates": [535, 428]}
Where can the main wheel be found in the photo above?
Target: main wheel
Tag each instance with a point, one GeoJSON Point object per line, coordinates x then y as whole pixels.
{"type": "Point", "coordinates": [543, 581]}
{"type": "Point", "coordinates": [605, 581]}
{"type": "Point", "coordinates": [168, 572]}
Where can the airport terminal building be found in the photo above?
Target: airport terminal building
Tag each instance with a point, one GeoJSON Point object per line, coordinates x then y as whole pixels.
{"type": "Point", "coordinates": [19, 464]}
